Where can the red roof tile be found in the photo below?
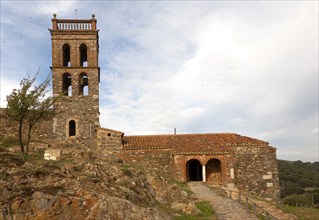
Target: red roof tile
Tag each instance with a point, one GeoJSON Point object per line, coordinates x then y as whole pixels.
{"type": "Point", "coordinates": [191, 143]}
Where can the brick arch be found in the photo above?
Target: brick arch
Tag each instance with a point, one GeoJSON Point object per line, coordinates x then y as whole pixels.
{"type": "Point", "coordinates": [214, 171]}
{"type": "Point", "coordinates": [194, 170]}
{"type": "Point", "coordinates": [199, 158]}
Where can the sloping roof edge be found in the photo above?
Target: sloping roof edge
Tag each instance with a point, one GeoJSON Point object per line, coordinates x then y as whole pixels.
{"type": "Point", "coordinates": [191, 143]}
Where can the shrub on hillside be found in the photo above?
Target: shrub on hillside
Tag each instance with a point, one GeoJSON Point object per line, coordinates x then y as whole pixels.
{"type": "Point", "coordinates": [299, 200]}
{"type": "Point", "coordinates": [294, 176]}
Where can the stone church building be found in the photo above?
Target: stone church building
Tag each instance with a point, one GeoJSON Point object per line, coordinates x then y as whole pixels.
{"type": "Point", "coordinates": [224, 159]}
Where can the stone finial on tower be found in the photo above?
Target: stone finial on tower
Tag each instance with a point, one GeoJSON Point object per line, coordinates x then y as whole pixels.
{"type": "Point", "coordinates": [93, 22]}
{"type": "Point", "coordinates": [54, 22]}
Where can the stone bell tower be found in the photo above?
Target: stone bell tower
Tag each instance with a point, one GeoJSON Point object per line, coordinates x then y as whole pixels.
{"type": "Point", "coordinates": [75, 79]}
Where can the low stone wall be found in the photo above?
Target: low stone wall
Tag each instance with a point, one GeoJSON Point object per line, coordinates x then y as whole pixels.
{"type": "Point", "coordinates": [8, 128]}
{"type": "Point", "coordinates": [40, 132]}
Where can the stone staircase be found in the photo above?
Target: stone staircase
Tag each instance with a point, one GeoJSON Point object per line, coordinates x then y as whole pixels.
{"type": "Point", "coordinates": [229, 204]}
{"type": "Point", "coordinates": [260, 206]}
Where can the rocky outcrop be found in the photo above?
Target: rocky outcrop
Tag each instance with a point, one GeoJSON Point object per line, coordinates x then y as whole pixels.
{"type": "Point", "coordinates": [35, 188]}
{"type": "Point", "coordinates": [81, 205]}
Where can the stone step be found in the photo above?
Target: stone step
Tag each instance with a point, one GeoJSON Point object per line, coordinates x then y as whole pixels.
{"type": "Point", "coordinates": [225, 208]}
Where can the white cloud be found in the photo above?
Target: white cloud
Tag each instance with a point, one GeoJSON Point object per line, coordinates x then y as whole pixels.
{"type": "Point", "coordinates": [6, 88]}
{"type": "Point", "coordinates": [29, 9]}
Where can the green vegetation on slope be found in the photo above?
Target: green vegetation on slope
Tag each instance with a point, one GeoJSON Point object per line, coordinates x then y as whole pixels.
{"type": "Point", "coordinates": [182, 185]}
{"type": "Point", "coordinates": [302, 212]}
{"type": "Point", "coordinates": [299, 182]}
{"type": "Point", "coordinates": [206, 212]}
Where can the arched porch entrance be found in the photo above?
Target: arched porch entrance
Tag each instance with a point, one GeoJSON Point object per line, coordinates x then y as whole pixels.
{"type": "Point", "coordinates": [194, 170]}
{"type": "Point", "coordinates": [214, 171]}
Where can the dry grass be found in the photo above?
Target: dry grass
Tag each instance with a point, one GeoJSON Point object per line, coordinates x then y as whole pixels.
{"type": "Point", "coordinates": [301, 212]}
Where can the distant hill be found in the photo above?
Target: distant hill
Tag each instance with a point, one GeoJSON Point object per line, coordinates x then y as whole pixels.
{"type": "Point", "coordinates": [297, 177]}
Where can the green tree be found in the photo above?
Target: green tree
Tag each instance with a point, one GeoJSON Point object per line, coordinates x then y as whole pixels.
{"type": "Point", "coordinates": [295, 176]}
{"type": "Point", "coordinates": [28, 105]}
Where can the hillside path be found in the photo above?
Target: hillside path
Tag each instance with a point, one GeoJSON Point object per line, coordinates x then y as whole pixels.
{"type": "Point", "coordinates": [225, 208]}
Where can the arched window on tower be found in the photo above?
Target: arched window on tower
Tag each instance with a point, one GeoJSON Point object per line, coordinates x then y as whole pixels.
{"type": "Point", "coordinates": [83, 84]}
{"type": "Point", "coordinates": [72, 128]}
{"type": "Point", "coordinates": [66, 55]}
{"type": "Point", "coordinates": [83, 56]}
{"type": "Point", "coordinates": [66, 84]}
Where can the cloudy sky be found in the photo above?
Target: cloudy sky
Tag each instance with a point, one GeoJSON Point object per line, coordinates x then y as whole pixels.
{"type": "Point", "coordinates": [245, 67]}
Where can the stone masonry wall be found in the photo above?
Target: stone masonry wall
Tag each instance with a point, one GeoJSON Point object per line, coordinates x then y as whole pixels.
{"type": "Point", "coordinates": [256, 170]}
{"type": "Point", "coordinates": [157, 159]}
{"type": "Point", "coordinates": [41, 132]}
{"type": "Point", "coordinates": [84, 111]}
{"type": "Point", "coordinates": [109, 143]}
{"type": "Point", "coordinates": [8, 128]}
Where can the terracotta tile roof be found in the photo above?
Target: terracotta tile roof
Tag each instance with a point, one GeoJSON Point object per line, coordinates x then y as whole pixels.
{"type": "Point", "coordinates": [148, 141]}
{"type": "Point", "coordinates": [220, 143]}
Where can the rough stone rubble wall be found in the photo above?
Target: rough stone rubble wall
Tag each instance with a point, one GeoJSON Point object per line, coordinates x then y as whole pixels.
{"type": "Point", "coordinates": [157, 159]}
{"type": "Point", "coordinates": [256, 171]}
{"type": "Point", "coordinates": [84, 111]}
{"type": "Point", "coordinates": [8, 128]}
{"type": "Point", "coordinates": [109, 143]}
{"type": "Point", "coordinates": [41, 132]}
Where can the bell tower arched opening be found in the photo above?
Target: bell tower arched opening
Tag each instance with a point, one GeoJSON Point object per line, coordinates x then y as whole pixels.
{"type": "Point", "coordinates": [194, 170]}
{"type": "Point", "coordinates": [83, 55]}
{"type": "Point", "coordinates": [66, 84]}
{"type": "Point", "coordinates": [66, 55]}
{"type": "Point", "coordinates": [83, 84]}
